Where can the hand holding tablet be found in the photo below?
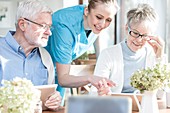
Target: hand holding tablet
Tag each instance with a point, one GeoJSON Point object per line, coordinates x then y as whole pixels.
{"type": "Point", "coordinates": [46, 92]}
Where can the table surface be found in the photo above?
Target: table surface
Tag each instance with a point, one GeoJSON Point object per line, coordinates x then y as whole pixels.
{"type": "Point", "coordinates": [62, 110]}
{"type": "Point", "coordinates": [161, 104]}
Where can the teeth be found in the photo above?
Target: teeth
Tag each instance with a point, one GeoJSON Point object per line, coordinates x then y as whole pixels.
{"type": "Point", "coordinates": [98, 28]}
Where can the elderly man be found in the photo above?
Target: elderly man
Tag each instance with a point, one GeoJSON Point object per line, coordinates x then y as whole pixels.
{"type": "Point", "coordinates": [22, 53]}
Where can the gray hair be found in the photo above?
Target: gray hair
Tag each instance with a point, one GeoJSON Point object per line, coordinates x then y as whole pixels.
{"type": "Point", "coordinates": [31, 8]}
{"type": "Point", "coordinates": [142, 13]}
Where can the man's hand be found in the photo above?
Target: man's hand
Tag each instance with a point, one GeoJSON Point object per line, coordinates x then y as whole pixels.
{"type": "Point", "coordinates": [54, 101]}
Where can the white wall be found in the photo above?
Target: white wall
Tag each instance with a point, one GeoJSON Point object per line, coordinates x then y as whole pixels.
{"type": "Point", "coordinates": [68, 3]}
{"type": "Point", "coordinates": [53, 4]}
{"type": "Point", "coordinates": [12, 10]}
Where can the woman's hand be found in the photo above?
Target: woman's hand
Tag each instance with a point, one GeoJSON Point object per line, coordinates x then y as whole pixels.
{"type": "Point", "coordinates": [99, 81]}
{"type": "Point", "coordinates": [54, 101]}
{"type": "Point", "coordinates": [104, 88]}
{"type": "Point", "coordinates": [158, 45]}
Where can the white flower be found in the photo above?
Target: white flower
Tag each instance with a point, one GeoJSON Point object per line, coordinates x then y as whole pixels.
{"type": "Point", "coordinates": [153, 78]}
{"type": "Point", "coordinates": [18, 96]}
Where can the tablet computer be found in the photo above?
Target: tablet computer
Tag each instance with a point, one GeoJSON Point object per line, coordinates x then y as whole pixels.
{"type": "Point", "coordinates": [46, 91]}
{"type": "Point", "coordinates": [131, 95]}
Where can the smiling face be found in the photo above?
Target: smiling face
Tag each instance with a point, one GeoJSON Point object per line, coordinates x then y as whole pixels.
{"type": "Point", "coordinates": [100, 17]}
{"type": "Point", "coordinates": [37, 35]}
{"type": "Point", "coordinates": [141, 25]}
{"type": "Point", "coordinates": [144, 29]}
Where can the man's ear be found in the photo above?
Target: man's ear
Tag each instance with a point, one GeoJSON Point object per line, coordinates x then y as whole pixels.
{"type": "Point", "coordinates": [21, 24]}
{"type": "Point", "coordinates": [86, 11]}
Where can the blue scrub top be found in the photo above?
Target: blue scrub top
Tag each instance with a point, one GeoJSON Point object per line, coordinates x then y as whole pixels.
{"type": "Point", "coordinates": [68, 40]}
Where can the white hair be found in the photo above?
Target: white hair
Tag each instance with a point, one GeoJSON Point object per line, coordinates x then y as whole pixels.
{"type": "Point", "coordinates": [143, 13]}
{"type": "Point", "coordinates": [31, 8]}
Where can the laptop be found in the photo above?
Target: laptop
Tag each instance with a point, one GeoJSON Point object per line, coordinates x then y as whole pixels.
{"type": "Point", "coordinates": [131, 95]}
{"type": "Point", "coordinates": [98, 104]}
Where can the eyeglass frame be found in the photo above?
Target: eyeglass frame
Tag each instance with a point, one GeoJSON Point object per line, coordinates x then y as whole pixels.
{"type": "Point", "coordinates": [139, 35]}
{"type": "Point", "coordinates": [44, 26]}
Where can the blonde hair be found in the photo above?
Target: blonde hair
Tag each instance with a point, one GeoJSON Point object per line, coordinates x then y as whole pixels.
{"type": "Point", "coordinates": [93, 3]}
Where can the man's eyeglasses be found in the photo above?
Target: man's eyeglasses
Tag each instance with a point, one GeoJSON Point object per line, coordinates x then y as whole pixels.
{"type": "Point", "coordinates": [44, 26]}
{"type": "Point", "coordinates": [137, 35]}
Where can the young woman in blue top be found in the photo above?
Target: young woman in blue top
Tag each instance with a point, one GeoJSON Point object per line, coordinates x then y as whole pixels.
{"type": "Point", "coordinates": [69, 40]}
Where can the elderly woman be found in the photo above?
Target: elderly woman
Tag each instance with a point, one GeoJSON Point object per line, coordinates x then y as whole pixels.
{"type": "Point", "coordinates": [141, 49]}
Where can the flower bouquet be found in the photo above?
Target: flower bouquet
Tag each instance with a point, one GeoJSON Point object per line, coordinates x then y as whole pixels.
{"type": "Point", "coordinates": [149, 79]}
{"type": "Point", "coordinates": [18, 96]}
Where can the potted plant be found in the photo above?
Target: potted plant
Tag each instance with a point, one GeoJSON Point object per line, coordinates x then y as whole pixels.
{"type": "Point", "coordinates": [148, 81]}
{"type": "Point", "coordinates": [156, 77]}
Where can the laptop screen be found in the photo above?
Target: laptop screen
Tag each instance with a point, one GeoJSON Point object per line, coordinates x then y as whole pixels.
{"type": "Point", "coordinates": [94, 104]}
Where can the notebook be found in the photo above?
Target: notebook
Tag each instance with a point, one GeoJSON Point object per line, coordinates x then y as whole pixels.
{"type": "Point", "coordinates": [98, 104]}
{"type": "Point", "coordinates": [131, 95]}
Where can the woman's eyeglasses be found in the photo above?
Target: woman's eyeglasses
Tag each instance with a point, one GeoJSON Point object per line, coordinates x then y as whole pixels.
{"type": "Point", "coordinates": [137, 34]}
{"type": "Point", "coordinates": [44, 26]}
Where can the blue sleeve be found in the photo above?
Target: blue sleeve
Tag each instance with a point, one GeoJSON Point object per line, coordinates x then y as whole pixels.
{"type": "Point", "coordinates": [60, 44]}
